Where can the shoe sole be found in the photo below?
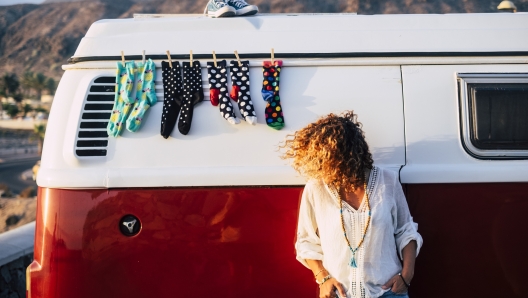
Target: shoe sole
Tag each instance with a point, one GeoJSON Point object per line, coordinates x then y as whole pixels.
{"type": "Point", "coordinates": [247, 11]}
{"type": "Point", "coordinates": [223, 12]}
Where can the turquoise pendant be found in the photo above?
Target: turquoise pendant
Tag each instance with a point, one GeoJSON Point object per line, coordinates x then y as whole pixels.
{"type": "Point", "coordinates": [353, 261]}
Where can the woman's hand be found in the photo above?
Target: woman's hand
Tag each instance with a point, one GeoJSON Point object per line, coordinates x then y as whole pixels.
{"type": "Point", "coordinates": [396, 285]}
{"type": "Point", "coordinates": [327, 289]}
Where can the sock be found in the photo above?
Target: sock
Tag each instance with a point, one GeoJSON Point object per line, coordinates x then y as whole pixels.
{"type": "Point", "coordinates": [123, 98]}
{"type": "Point", "coordinates": [270, 93]}
{"type": "Point", "coordinates": [218, 90]}
{"type": "Point", "coordinates": [240, 90]}
{"type": "Point", "coordinates": [192, 94]}
{"type": "Point", "coordinates": [173, 96]}
{"type": "Point", "coordinates": [145, 94]}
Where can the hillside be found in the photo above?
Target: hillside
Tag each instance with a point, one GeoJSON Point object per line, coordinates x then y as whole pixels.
{"type": "Point", "coordinates": [42, 37]}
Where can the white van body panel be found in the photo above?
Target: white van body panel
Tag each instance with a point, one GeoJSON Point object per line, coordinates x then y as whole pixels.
{"type": "Point", "coordinates": [216, 153]}
{"type": "Point", "coordinates": [433, 134]}
{"type": "Point", "coordinates": [373, 56]}
{"type": "Point", "coordinates": [307, 33]}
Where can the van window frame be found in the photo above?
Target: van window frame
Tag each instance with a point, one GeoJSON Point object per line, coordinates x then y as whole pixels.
{"type": "Point", "coordinates": [465, 118]}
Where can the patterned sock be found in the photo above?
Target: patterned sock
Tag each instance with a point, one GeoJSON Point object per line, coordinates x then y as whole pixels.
{"type": "Point", "coordinates": [173, 96]}
{"type": "Point", "coordinates": [145, 94]}
{"type": "Point", "coordinates": [240, 90]}
{"type": "Point", "coordinates": [218, 90]}
{"type": "Point", "coordinates": [270, 93]}
{"type": "Point", "coordinates": [192, 94]}
{"type": "Point", "coordinates": [123, 97]}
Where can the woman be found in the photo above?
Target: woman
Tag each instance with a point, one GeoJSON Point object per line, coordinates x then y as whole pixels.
{"type": "Point", "coordinates": [354, 223]}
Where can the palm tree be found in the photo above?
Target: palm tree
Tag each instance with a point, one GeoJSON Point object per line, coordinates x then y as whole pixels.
{"type": "Point", "coordinates": [27, 108]}
{"type": "Point", "coordinates": [39, 84]}
{"type": "Point", "coordinates": [40, 131]}
{"type": "Point", "coordinates": [51, 85]}
{"type": "Point", "coordinates": [12, 110]}
{"type": "Point", "coordinates": [28, 80]}
{"type": "Point", "coordinates": [9, 84]}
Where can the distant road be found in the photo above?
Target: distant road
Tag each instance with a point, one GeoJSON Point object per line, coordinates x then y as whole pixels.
{"type": "Point", "coordinates": [13, 2]}
{"type": "Point", "coordinates": [10, 172]}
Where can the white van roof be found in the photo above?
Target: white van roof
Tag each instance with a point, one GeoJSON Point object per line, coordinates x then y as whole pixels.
{"type": "Point", "coordinates": [310, 34]}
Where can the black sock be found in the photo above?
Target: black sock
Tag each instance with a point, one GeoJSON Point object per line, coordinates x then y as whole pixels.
{"type": "Point", "coordinates": [172, 88]}
{"type": "Point", "coordinates": [198, 95]}
{"type": "Point", "coordinates": [192, 94]}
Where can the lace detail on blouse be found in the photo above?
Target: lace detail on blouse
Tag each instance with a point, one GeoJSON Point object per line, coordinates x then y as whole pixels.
{"type": "Point", "coordinates": [355, 222]}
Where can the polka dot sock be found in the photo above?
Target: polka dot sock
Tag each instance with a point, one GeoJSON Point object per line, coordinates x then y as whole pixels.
{"type": "Point", "coordinates": [173, 96]}
{"type": "Point", "coordinates": [123, 97]}
{"type": "Point", "coordinates": [218, 90]}
{"type": "Point", "coordinates": [270, 93]}
{"type": "Point", "coordinates": [240, 90]}
{"type": "Point", "coordinates": [192, 94]}
{"type": "Point", "coordinates": [145, 94]}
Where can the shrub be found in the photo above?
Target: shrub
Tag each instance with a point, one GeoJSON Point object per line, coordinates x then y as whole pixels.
{"type": "Point", "coordinates": [13, 220]}
{"type": "Point", "coordinates": [28, 192]}
{"type": "Point", "coordinates": [5, 192]}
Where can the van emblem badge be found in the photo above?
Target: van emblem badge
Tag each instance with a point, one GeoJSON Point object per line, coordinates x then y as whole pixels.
{"type": "Point", "coordinates": [129, 225]}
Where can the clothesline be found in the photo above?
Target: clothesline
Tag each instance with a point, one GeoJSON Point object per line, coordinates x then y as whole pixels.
{"type": "Point", "coordinates": [135, 92]}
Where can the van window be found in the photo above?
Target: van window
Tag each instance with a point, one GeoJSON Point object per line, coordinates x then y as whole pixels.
{"type": "Point", "coordinates": [494, 114]}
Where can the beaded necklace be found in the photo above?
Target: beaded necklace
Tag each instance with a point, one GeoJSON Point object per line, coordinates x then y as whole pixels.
{"type": "Point", "coordinates": [354, 250]}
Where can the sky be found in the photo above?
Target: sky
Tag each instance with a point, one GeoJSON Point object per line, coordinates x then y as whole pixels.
{"type": "Point", "coordinates": [13, 2]}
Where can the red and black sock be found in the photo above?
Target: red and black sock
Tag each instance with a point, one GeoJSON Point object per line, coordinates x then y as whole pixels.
{"type": "Point", "coordinates": [240, 90]}
{"type": "Point", "coordinates": [218, 90]}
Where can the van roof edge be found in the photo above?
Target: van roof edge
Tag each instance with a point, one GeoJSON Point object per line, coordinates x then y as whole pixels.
{"type": "Point", "coordinates": [186, 15]}
{"type": "Point", "coordinates": [74, 60]}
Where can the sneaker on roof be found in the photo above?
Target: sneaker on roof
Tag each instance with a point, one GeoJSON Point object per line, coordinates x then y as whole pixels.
{"type": "Point", "coordinates": [242, 7]}
{"type": "Point", "coordinates": [219, 9]}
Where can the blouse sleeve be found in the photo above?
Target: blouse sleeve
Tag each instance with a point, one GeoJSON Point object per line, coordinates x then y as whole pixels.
{"type": "Point", "coordinates": [308, 244]}
{"type": "Point", "coordinates": [405, 230]}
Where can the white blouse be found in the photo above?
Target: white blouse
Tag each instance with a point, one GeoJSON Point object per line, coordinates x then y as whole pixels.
{"type": "Point", "coordinates": [320, 234]}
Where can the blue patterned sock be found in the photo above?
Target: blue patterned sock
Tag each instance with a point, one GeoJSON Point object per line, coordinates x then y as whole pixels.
{"type": "Point", "coordinates": [145, 95]}
{"type": "Point", "coordinates": [123, 98]}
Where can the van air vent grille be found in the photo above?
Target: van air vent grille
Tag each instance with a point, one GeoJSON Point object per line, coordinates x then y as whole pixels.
{"type": "Point", "coordinates": [92, 138]}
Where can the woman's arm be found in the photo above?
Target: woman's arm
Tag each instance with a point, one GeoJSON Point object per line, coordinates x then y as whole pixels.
{"type": "Point", "coordinates": [409, 256]}
{"type": "Point", "coordinates": [405, 229]}
{"type": "Point", "coordinates": [308, 245]}
{"type": "Point", "coordinates": [408, 240]}
{"type": "Point", "coordinates": [326, 290]}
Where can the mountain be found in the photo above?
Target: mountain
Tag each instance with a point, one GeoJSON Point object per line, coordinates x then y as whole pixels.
{"type": "Point", "coordinates": [42, 37]}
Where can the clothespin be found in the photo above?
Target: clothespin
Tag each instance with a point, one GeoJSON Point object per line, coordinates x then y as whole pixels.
{"type": "Point", "coordinates": [143, 56]}
{"type": "Point", "coordinates": [123, 58]}
{"type": "Point", "coordinates": [169, 58]}
{"type": "Point", "coordinates": [238, 58]}
{"type": "Point", "coordinates": [214, 59]}
{"type": "Point", "coordinates": [272, 56]}
{"type": "Point", "coordinates": [191, 58]}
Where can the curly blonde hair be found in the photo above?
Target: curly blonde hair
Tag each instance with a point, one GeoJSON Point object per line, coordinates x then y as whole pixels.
{"type": "Point", "coordinates": [332, 149]}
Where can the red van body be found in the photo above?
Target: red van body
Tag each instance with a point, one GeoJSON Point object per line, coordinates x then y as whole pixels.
{"type": "Point", "coordinates": [217, 209]}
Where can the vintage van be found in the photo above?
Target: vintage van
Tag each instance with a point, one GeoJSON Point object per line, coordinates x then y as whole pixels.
{"type": "Point", "coordinates": [443, 100]}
